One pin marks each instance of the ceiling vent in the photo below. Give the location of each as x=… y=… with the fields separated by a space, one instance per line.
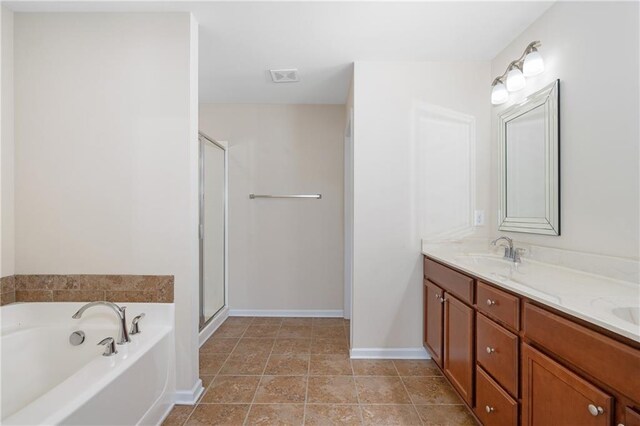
x=285 y=75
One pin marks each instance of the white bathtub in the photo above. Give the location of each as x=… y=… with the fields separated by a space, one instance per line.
x=47 y=381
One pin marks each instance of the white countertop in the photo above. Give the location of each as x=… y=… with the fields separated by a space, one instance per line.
x=610 y=303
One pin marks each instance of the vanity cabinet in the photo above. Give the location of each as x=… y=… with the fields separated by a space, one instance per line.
x=515 y=361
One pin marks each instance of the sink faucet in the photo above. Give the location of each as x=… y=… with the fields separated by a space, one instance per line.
x=123 y=334
x=511 y=253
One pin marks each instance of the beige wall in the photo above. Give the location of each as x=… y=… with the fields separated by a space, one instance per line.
x=283 y=254
x=7 y=261
x=599 y=134
x=106 y=153
x=387 y=276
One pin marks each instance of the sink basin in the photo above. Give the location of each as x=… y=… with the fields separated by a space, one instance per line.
x=487 y=261
x=628 y=313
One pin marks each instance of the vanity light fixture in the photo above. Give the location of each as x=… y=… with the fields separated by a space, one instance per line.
x=530 y=63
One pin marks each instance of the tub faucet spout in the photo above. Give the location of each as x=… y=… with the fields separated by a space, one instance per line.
x=123 y=334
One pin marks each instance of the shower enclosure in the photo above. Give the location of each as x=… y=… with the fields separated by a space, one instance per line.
x=213 y=199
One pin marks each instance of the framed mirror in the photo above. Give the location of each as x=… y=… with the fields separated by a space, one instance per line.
x=530 y=164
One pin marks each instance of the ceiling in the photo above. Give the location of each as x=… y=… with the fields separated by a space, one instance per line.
x=240 y=41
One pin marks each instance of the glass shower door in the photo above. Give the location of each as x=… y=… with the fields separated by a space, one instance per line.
x=212 y=228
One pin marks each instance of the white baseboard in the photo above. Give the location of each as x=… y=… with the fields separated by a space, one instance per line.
x=338 y=313
x=389 y=353
x=213 y=325
x=189 y=397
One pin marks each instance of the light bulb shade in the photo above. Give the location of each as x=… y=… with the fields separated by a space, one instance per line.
x=499 y=94
x=533 y=64
x=515 y=80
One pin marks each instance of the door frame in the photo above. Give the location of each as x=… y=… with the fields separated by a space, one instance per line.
x=207 y=327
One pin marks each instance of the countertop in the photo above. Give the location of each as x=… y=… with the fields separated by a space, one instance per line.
x=610 y=303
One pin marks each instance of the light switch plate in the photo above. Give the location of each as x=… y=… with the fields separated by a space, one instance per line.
x=478 y=217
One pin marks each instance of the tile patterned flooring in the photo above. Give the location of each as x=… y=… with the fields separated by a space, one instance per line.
x=295 y=371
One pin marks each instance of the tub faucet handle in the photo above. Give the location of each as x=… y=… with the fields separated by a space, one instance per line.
x=135 y=327
x=109 y=346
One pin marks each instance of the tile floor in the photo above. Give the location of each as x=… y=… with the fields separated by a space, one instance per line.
x=294 y=371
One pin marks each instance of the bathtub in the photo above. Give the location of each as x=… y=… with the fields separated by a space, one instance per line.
x=47 y=381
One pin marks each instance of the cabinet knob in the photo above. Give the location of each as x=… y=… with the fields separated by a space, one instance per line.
x=491 y=302
x=489 y=409
x=490 y=350
x=595 y=411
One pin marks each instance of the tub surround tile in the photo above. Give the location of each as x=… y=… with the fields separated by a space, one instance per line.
x=89 y=288
x=34 y=295
x=8 y=297
x=77 y=295
x=7 y=284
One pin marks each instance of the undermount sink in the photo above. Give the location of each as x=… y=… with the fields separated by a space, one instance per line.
x=628 y=313
x=487 y=261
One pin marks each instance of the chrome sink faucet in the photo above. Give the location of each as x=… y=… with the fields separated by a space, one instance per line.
x=123 y=334
x=510 y=253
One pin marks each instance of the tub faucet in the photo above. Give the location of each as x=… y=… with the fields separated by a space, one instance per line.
x=123 y=334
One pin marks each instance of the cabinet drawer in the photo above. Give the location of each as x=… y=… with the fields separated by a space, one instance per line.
x=605 y=359
x=450 y=280
x=497 y=353
x=499 y=305
x=493 y=405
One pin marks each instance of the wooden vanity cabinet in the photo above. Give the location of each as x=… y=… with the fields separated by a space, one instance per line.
x=515 y=361
x=433 y=320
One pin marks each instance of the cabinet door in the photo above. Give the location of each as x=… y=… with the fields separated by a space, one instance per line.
x=553 y=395
x=433 y=316
x=631 y=417
x=459 y=346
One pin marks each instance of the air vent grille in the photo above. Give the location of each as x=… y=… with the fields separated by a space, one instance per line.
x=285 y=75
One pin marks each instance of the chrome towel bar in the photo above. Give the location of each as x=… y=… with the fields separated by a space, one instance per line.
x=316 y=196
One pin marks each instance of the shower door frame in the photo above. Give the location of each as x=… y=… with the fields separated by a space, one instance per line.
x=202 y=139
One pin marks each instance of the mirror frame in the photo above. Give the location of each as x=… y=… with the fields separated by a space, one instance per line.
x=548 y=97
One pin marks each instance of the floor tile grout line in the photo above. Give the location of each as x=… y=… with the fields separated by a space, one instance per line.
x=306 y=393
x=415 y=410
x=355 y=384
x=246 y=417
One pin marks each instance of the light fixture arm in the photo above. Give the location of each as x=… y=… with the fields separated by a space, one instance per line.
x=532 y=47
